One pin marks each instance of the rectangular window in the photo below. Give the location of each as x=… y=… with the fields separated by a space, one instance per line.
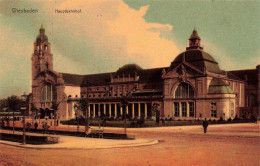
x=191 y=109
x=184 y=109
x=213 y=110
x=231 y=109
x=176 y=110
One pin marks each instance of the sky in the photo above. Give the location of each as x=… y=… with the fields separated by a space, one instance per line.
x=108 y=34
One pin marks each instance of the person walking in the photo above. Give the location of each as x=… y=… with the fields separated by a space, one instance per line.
x=35 y=125
x=205 y=125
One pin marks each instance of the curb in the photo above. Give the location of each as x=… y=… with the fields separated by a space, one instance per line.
x=16 y=144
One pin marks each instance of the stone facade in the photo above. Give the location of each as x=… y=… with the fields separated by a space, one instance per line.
x=192 y=87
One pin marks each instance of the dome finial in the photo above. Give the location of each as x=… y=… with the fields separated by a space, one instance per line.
x=42 y=30
x=42 y=37
x=194 y=35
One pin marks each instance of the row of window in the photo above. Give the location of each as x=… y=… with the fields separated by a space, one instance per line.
x=120 y=88
x=182 y=106
x=183 y=109
x=105 y=95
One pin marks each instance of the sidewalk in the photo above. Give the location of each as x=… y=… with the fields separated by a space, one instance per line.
x=72 y=142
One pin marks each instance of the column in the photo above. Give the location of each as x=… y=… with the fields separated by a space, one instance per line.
x=133 y=110
x=121 y=111
x=139 y=110
x=109 y=110
x=104 y=109
x=126 y=109
x=145 y=110
x=180 y=111
x=115 y=110
x=173 y=110
x=94 y=111
x=188 y=109
x=99 y=114
x=67 y=111
x=89 y=110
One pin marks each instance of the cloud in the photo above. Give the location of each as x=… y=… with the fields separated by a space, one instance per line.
x=104 y=37
x=144 y=42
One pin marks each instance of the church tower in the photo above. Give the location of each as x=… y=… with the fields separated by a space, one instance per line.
x=42 y=59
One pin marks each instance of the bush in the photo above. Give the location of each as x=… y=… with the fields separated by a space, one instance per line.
x=220 y=119
x=236 y=118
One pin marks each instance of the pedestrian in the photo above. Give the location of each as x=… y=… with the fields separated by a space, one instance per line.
x=2 y=123
x=205 y=125
x=7 y=121
x=35 y=125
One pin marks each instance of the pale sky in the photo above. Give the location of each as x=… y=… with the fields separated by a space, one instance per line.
x=108 y=34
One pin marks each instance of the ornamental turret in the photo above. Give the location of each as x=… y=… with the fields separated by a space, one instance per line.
x=194 y=41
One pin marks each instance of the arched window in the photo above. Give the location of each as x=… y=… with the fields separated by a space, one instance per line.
x=184 y=90
x=48 y=93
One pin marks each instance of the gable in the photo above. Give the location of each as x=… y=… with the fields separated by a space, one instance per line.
x=183 y=70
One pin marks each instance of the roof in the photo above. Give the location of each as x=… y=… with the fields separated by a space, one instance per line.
x=72 y=79
x=151 y=74
x=218 y=86
x=104 y=78
x=251 y=74
x=129 y=69
x=232 y=76
x=199 y=59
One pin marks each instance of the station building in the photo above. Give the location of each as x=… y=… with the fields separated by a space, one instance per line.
x=192 y=87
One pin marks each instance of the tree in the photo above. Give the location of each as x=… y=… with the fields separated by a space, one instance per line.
x=78 y=115
x=83 y=105
x=124 y=102
x=55 y=107
x=2 y=105
x=156 y=112
x=34 y=110
x=14 y=104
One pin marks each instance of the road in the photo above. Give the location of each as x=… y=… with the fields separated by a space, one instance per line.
x=222 y=145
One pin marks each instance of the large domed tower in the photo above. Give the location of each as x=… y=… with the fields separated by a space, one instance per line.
x=195 y=56
x=196 y=87
x=42 y=59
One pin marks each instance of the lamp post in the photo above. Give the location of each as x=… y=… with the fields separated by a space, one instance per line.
x=24 y=137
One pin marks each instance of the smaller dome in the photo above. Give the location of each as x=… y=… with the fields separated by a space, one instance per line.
x=129 y=69
x=218 y=86
x=41 y=38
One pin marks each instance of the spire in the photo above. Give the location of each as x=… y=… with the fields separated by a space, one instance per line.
x=194 y=41
x=194 y=35
x=41 y=38
x=42 y=30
